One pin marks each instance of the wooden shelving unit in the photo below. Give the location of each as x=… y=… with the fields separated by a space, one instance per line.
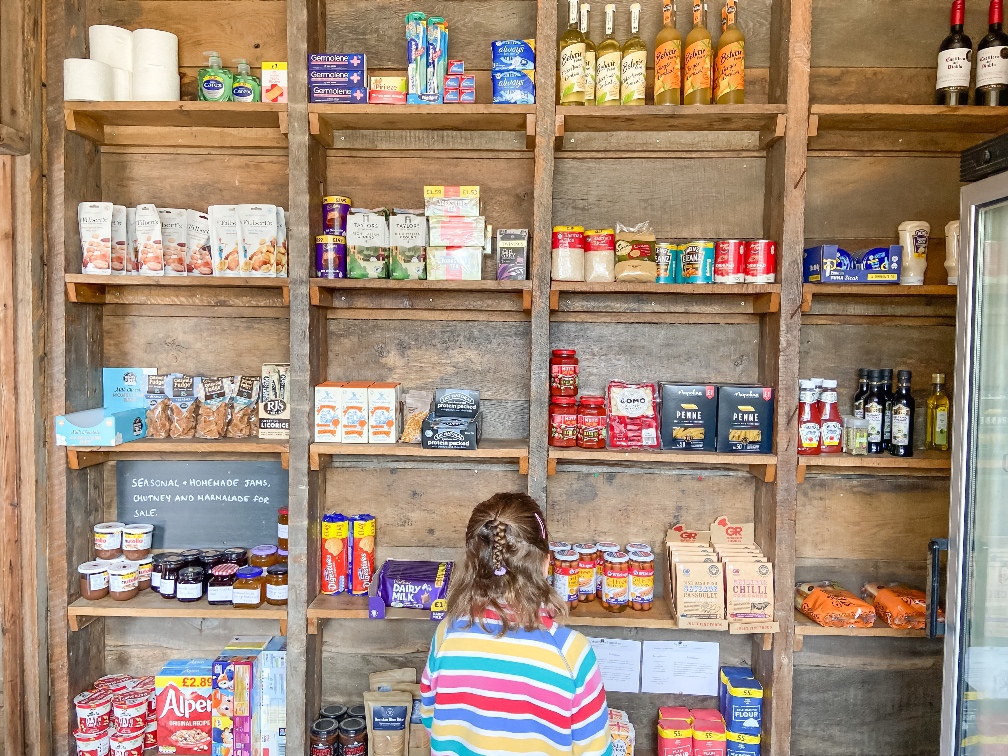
x=926 y=463
x=762 y=466
x=489 y=450
x=80 y=457
x=805 y=627
x=876 y=296
x=208 y=291
x=574 y=301
x=383 y=298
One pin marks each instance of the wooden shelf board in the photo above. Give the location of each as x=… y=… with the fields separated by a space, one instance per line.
x=668 y=298
x=882 y=291
x=94 y=289
x=763 y=466
x=150 y=604
x=180 y=123
x=923 y=462
x=489 y=449
x=382 y=298
x=805 y=626
x=79 y=457
x=390 y=285
x=573 y=119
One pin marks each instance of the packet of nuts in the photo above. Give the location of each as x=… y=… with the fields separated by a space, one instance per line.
x=119 y=253
x=149 y=252
x=158 y=407
x=257 y=226
x=199 y=260
x=244 y=421
x=281 y=242
x=95 y=221
x=182 y=390
x=213 y=406
x=132 y=265
x=173 y=240
x=225 y=240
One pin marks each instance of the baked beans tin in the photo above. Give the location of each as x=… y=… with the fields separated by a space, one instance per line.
x=729 y=261
x=667 y=257
x=696 y=262
x=92 y=743
x=761 y=261
x=94 y=711
x=334 y=215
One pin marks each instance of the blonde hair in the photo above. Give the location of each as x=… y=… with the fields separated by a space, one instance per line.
x=506 y=548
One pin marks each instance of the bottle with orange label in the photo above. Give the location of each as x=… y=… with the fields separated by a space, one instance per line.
x=668 y=60
x=729 y=82
x=697 y=60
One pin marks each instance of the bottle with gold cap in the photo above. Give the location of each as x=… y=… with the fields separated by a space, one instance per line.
x=589 y=57
x=633 y=68
x=729 y=81
x=572 y=49
x=697 y=59
x=937 y=429
x=608 y=57
x=668 y=59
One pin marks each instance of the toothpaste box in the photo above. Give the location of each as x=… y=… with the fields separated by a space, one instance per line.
x=513 y=54
x=324 y=93
x=467 y=96
x=337 y=78
x=338 y=61
x=274 y=81
x=329 y=412
x=456 y=67
x=513 y=87
x=467 y=82
x=355 y=412
x=452 y=81
x=384 y=413
x=183 y=698
x=452 y=97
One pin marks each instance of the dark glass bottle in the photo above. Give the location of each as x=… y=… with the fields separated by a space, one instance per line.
x=903 y=417
x=887 y=394
x=874 y=409
x=954 y=61
x=992 y=61
x=861 y=393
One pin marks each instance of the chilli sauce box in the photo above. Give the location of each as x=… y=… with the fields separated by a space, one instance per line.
x=745 y=419
x=355 y=412
x=688 y=417
x=184 y=689
x=335 y=554
x=384 y=412
x=329 y=412
x=749 y=591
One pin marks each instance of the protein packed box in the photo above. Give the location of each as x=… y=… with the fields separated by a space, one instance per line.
x=184 y=712
x=745 y=419
x=688 y=417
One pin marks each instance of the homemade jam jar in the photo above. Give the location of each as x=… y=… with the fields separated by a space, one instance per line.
x=276 y=585
x=587 y=556
x=603 y=547
x=282 y=528
x=641 y=580
x=249 y=589
x=220 y=585
x=356 y=712
x=281 y=556
x=124 y=580
x=108 y=540
x=169 y=574
x=94 y=580
x=236 y=556
x=156 y=562
x=191 y=557
x=145 y=568
x=564 y=373
x=591 y=423
x=352 y=735
x=263 y=556
x=136 y=541
x=563 y=421
x=616 y=581
x=210 y=558
x=189 y=586
x=94 y=710
x=565 y=575
x=323 y=737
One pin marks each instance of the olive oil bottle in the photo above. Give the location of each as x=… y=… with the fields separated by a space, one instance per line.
x=608 y=56
x=668 y=59
x=589 y=57
x=937 y=428
x=697 y=59
x=572 y=51
x=729 y=84
x=633 y=68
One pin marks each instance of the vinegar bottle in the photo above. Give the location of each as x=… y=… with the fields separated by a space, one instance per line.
x=572 y=50
x=608 y=57
x=633 y=67
x=808 y=419
x=902 y=417
x=874 y=409
x=668 y=60
x=697 y=60
x=729 y=87
x=830 y=422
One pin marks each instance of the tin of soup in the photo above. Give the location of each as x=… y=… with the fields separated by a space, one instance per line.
x=761 y=261
x=696 y=262
x=330 y=256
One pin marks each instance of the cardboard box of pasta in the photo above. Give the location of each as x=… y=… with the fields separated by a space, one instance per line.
x=688 y=417
x=745 y=419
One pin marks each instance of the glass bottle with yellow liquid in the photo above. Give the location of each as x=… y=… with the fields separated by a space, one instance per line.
x=937 y=429
x=729 y=81
x=697 y=60
x=572 y=50
x=668 y=60
x=633 y=68
x=608 y=57
x=589 y=57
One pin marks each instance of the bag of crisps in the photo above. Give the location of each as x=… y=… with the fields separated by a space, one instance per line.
x=830 y=605
x=897 y=605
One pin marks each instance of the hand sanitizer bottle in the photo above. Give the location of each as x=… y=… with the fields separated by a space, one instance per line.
x=215 y=80
x=246 y=87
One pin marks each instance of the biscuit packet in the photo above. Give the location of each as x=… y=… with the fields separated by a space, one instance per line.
x=257 y=226
x=173 y=240
x=158 y=407
x=281 y=242
x=383 y=682
x=828 y=604
x=244 y=410
x=417 y=407
x=119 y=254
x=182 y=390
x=388 y=719
x=199 y=258
x=635 y=253
x=132 y=265
x=147 y=243
x=225 y=240
x=95 y=222
x=899 y=606
x=213 y=406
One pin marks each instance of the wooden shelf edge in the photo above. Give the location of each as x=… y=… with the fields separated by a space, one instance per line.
x=93 y=289
x=813 y=290
x=805 y=627
x=761 y=466
x=489 y=450
x=89 y=611
x=79 y=457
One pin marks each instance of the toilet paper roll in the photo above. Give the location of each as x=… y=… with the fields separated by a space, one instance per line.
x=154 y=83
x=122 y=84
x=112 y=45
x=152 y=47
x=85 y=79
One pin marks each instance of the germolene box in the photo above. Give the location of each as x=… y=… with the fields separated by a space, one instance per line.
x=688 y=417
x=745 y=419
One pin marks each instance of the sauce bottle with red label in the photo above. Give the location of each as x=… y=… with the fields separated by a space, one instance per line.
x=830 y=423
x=808 y=419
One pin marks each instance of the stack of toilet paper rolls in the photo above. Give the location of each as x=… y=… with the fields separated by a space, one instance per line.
x=124 y=65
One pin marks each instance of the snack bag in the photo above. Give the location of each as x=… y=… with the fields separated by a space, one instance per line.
x=635 y=253
x=225 y=240
x=95 y=221
x=149 y=253
x=335 y=554
x=830 y=605
x=633 y=415
x=417 y=406
x=199 y=258
x=244 y=412
x=281 y=242
x=899 y=606
x=119 y=239
x=173 y=240
x=182 y=390
x=388 y=719
x=212 y=415
x=158 y=407
x=132 y=263
x=257 y=226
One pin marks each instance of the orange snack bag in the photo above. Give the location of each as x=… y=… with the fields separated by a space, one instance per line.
x=898 y=605
x=830 y=605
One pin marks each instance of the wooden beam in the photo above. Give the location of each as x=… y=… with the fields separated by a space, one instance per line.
x=85 y=125
x=13 y=142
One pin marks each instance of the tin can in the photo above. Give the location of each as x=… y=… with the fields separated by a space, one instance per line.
x=334 y=215
x=761 y=261
x=729 y=261
x=667 y=256
x=696 y=262
x=330 y=256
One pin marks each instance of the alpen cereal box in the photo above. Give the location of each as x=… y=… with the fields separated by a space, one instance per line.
x=183 y=689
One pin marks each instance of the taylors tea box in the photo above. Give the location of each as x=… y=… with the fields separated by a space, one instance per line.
x=745 y=419
x=688 y=417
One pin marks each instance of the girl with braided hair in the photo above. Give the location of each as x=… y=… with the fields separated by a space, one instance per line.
x=503 y=677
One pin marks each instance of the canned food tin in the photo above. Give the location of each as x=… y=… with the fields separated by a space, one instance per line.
x=330 y=256
x=696 y=262
x=761 y=261
x=334 y=215
x=667 y=256
x=729 y=261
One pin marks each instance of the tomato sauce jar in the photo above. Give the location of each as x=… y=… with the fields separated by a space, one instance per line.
x=564 y=373
x=563 y=421
x=591 y=423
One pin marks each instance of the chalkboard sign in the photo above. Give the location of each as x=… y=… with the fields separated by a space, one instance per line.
x=202 y=504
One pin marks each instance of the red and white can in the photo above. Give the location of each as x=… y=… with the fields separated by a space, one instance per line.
x=129 y=711
x=761 y=261
x=94 y=711
x=92 y=743
x=127 y=743
x=730 y=261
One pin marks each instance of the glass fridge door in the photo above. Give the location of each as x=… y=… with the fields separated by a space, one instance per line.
x=975 y=700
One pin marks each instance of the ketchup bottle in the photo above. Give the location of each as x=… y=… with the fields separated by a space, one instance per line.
x=830 y=423
x=808 y=420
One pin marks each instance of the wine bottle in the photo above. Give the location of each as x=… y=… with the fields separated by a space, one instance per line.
x=954 y=61
x=992 y=61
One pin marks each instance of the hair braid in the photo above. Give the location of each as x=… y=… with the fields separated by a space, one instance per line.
x=499 y=541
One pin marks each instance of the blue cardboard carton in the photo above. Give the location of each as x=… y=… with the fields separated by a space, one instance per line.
x=743 y=708
x=431 y=98
x=726 y=674
x=338 y=61
x=513 y=54
x=513 y=87
x=336 y=78
x=101 y=427
x=124 y=388
x=340 y=95
x=827 y=263
x=740 y=744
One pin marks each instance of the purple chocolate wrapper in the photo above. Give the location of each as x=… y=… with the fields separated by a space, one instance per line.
x=330 y=256
x=413 y=585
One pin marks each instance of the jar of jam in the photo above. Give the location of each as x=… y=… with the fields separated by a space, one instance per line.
x=603 y=547
x=156 y=562
x=249 y=589
x=282 y=528
x=587 y=555
x=641 y=580
x=191 y=557
x=564 y=373
x=353 y=736
x=563 y=421
x=137 y=540
x=337 y=712
x=565 y=575
x=169 y=574
x=616 y=581
x=276 y=585
x=281 y=556
x=124 y=581
x=108 y=540
x=144 y=568
x=591 y=423
x=323 y=737
x=263 y=556
x=189 y=586
x=210 y=558
x=220 y=584
x=94 y=580
x=236 y=556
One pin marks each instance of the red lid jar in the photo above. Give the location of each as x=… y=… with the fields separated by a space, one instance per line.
x=591 y=427
x=564 y=373
x=563 y=421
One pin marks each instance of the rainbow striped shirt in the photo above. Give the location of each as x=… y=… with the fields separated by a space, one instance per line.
x=536 y=692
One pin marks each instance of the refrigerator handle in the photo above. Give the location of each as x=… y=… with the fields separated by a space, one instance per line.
x=935 y=628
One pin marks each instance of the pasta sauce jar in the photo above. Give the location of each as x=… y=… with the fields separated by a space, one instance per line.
x=616 y=581
x=352 y=737
x=591 y=423
x=565 y=575
x=641 y=580
x=587 y=554
x=564 y=373
x=563 y=421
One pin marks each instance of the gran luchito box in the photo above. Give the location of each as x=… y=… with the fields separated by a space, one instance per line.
x=745 y=419
x=688 y=417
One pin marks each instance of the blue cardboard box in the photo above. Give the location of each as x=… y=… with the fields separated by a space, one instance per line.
x=338 y=95
x=513 y=54
x=101 y=427
x=743 y=707
x=338 y=61
x=827 y=263
x=336 y=78
x=425 y=99
x=726 y=674
x=124 y=388
x=513 y=87
x=740 y=744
